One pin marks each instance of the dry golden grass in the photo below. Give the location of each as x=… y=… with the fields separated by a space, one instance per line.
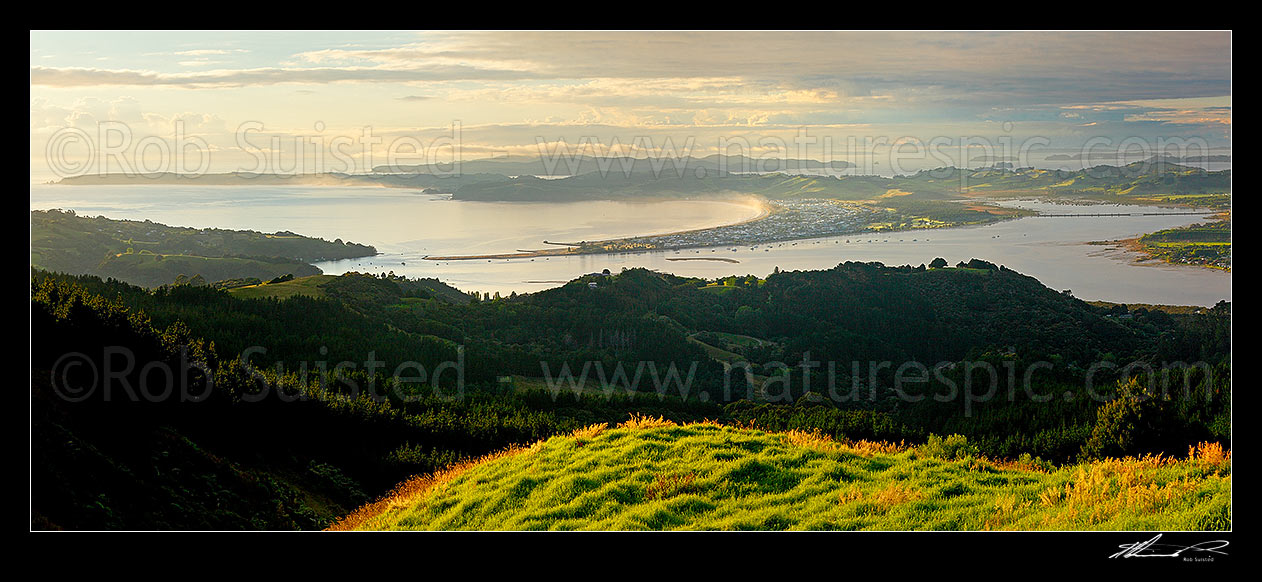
x=664 y=485
x=1209 y=454
x=819 y=441
x=708 y=422
x=1101 y=490
x=590 y=431
x=1050 y=496
x=812 y=440
x=1009 y=503
x=642 y=422
x=872 y=448
x=896 y=493
x=852 y=494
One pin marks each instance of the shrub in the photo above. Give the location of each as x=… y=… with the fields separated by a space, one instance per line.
x=955 y=446
x=1137 y=421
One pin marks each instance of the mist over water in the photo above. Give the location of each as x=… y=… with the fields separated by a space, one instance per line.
x=405 y=226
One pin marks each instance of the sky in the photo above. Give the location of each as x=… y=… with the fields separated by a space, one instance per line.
x=198 y=101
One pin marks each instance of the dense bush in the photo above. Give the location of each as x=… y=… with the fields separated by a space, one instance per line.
x=307 y=445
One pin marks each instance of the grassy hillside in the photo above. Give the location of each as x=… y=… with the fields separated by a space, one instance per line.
x=372 y=290
x=649 y=474
x=151 y=269
x=1199 y=244
x=1138 y=179
x=306 y=286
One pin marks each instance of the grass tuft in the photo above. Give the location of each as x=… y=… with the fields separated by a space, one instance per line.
x=638 y=421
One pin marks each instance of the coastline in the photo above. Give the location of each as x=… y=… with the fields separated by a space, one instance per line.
x=1140 y=255
x=767 y=208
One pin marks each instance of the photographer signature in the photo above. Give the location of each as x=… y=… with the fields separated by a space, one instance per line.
x=1152 y=549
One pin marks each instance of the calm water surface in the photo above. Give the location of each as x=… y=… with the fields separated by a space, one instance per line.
x=406 y=226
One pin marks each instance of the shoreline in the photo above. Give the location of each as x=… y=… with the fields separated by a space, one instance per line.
x=593 y=247
x=1140 y=255
x=765 y=209
x=768 y=209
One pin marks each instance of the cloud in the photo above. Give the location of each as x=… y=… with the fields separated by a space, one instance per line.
x=1026 y=67
x=88 y=77
x=208 y=52
x=1049 y=66
x=519 y=85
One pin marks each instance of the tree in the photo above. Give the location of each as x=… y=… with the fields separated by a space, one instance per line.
x=1136 y=421
x=938 y=263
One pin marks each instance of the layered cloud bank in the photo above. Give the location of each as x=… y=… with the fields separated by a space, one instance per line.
x=840 y=95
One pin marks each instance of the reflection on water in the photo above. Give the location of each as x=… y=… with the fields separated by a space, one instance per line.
x=406 y=226
x=1048 y=248
x=392 y=219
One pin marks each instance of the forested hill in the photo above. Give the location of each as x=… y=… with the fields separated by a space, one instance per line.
x=355 y=432
x=151 y=254
x=853 y=312
x=868 y=311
